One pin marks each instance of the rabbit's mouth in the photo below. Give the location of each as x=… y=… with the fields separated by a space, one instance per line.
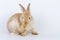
x=26 y=22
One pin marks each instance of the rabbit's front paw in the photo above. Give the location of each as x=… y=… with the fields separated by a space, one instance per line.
x=23 y=34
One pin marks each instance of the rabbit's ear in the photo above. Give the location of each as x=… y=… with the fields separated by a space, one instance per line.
x=28 y=7
x=23 y=9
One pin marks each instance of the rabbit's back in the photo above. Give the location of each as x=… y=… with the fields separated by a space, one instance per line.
x=14 y=23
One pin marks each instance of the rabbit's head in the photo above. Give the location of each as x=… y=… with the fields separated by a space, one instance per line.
x=26 y=13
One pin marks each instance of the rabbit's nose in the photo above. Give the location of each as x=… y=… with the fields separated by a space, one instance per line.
x=25 y=22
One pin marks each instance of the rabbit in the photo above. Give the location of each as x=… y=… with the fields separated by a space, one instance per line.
x=21 y=23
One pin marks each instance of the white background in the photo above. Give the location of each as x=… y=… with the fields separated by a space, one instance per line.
x=45 y=12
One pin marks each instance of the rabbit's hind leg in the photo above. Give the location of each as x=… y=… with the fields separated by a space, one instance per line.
x=34 y=32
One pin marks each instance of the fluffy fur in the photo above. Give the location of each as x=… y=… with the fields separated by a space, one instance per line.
x=21 y=23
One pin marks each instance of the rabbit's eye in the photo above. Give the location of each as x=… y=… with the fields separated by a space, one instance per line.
x=29 y=17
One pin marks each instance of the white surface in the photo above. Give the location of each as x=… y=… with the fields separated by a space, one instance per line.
x=45 y=12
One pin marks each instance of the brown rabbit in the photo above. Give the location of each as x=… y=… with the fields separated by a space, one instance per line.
x=21 y=23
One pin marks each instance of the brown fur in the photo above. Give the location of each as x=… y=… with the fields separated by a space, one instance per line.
x=23 y=25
